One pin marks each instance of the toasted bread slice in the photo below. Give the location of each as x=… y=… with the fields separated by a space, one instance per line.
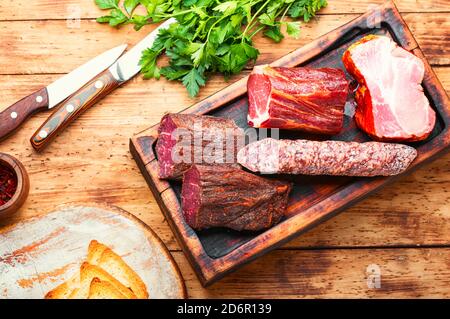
x=116 y=267
x=95 y=251
x=88 y=272
x=64 y=290
x=67 y=289
x=100 y=289
x=108 y=267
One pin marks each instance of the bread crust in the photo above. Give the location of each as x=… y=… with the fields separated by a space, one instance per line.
x=111 y=274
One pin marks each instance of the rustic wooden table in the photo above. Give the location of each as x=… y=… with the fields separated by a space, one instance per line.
x=404 y=230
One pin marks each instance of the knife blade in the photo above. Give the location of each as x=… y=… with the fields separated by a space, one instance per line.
x=127 y=65
x=125 y=68
x=51 y=95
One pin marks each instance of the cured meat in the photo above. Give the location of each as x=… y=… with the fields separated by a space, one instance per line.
x=185 y=139
x=390 y=98
x=306 y=99
x=326 y=158
x=224 y=196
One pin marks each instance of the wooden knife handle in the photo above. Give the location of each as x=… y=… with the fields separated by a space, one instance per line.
x=69 y=110
x=12 y=117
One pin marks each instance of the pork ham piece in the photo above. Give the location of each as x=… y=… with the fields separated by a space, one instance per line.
x=224 y=196
x=326 y=158
x=391 y=103
x=185 y=139
x=306 y=99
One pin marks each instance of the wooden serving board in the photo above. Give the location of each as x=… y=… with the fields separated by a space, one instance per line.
x=38 y=254
x=215 y=253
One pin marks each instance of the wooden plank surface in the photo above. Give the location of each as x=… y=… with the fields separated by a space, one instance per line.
x=39 y=47
x=90 y=161
x=84 y=9
x=342 y=273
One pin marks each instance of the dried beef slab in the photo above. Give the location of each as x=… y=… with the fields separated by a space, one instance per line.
x=224 y=196
x=216 y=252
x=177 y=148
x=305 y=99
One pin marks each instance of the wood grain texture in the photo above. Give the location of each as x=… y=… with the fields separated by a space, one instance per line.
x=334 y=273
x=97 y=166
x=56 y=54
x=84 y=9
x=83 y=99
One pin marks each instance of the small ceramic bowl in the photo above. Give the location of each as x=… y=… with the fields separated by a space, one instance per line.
x=23 y=186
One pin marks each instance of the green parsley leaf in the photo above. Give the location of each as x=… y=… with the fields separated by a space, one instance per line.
x=247 y=8
x=222 y=49
x=306 y=8
x=274 y=33
x=103 y=19
x=107 y=4
x=148 y=64
x=209 y=35
x=227 y=8
x=250 y=51
x=130 y=5
x=139 y=21
x=200 y=12
x=267 y=19
x=293 y=29
x=117 y=17
x=193 y=80
x=173 y=73
x=198 y=54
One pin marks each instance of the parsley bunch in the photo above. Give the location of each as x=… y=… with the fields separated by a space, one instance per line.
x=209 y=35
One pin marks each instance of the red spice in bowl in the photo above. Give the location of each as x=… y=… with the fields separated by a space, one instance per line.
x=14 y=185
x=8 y=184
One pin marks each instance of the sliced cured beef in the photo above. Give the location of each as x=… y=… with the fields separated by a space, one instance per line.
x=185 y=139
x=391 y=103
x=305 y=99
x=224 y=196
x=339 y=158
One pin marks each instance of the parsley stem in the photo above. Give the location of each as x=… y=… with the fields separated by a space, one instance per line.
x=253 y=18
x=257 y=31
x=173 y=14
x=199 y=30
x=212 y=26
x=285 y=11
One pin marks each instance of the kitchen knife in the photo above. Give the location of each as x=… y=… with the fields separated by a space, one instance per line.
x=54 y=93
x=120 y=72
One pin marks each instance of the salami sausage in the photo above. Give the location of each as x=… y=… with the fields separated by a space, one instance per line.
x=339 y=158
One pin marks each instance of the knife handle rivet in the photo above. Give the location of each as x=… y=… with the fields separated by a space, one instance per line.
x=43 y=134
x=70 y=108
x=13 y=115
x=99 y=84
x=39 y=99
